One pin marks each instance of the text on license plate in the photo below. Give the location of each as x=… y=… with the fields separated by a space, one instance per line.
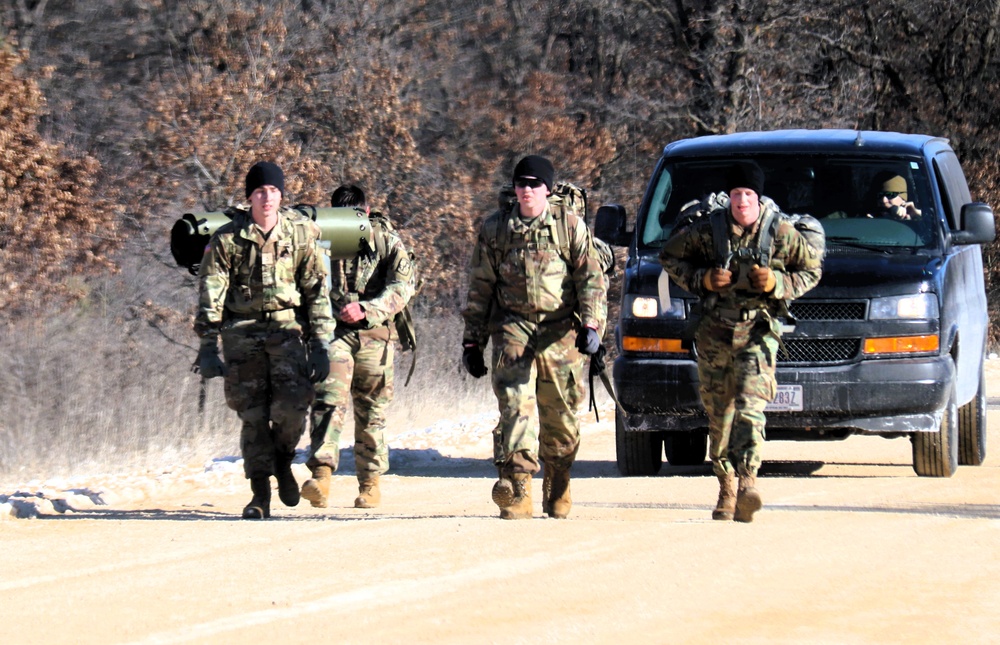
x=789 y=399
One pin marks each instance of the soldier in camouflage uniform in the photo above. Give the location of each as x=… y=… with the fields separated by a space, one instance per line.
x=738 y=337
x=260 y=283
x=543 y=307
x=366 y=294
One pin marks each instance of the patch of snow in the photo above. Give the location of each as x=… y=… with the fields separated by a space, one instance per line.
x=459 y=439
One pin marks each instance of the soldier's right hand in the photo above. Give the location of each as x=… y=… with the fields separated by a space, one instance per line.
x=319 y=364
x=210 y=365
x=472 y=359
x=717 y=279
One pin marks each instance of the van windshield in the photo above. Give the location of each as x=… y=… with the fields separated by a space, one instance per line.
x=861 y=202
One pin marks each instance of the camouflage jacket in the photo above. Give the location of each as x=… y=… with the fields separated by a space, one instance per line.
x=383 y=282
x=689 y=254
x=242 y=274
x=518 y=269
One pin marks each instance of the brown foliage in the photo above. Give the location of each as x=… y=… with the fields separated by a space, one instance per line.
x=212 y=114
x=57 y=223
x=428 y=103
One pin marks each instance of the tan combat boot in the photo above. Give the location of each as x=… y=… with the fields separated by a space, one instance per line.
x=512 y=493
x=260 y=506
x=370 y=495
x=556 y=500
x=726 y=507
x=748 y=500
x=317 y=489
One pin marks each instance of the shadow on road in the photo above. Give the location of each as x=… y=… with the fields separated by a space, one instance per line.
x=282 y=515
x=431 y=463
x=964 y=511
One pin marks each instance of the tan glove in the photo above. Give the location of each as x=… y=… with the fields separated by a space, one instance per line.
x=762 y=278
x=717 y=279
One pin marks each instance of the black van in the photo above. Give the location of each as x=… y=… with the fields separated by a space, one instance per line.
x=892 y=341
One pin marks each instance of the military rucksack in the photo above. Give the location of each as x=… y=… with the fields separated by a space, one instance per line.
x=381 y=228
x=716 y=204
x=565 y=198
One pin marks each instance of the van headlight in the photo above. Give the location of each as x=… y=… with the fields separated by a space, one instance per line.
x=921 y=305
x=649 y=307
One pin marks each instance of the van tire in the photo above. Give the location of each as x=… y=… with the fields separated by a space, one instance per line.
x=685 y=448
x=972 y=426
x=935 y=454
x=639 y=454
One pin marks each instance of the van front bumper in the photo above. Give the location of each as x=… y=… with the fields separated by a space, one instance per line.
x=888 y=396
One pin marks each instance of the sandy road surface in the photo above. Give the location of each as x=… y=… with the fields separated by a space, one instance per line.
x=852 y=547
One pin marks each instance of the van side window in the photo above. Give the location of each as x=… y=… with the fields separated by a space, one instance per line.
x=952 y=185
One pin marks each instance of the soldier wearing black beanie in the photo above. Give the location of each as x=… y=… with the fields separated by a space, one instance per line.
x=264 y=272
x=535 y=167
x=265 y=173
x=745 y=174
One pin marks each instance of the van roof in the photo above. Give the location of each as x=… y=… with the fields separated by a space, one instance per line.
x=832 y=141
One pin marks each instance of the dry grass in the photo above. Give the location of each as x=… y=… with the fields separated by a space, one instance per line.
x=84 y=394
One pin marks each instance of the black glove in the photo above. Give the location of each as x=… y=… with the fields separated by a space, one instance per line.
x=209 y=363
x=319 y=363
x=472 y=359
x=597 y=364
x=587 y=341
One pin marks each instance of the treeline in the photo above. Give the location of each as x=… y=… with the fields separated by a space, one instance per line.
x=119 y=115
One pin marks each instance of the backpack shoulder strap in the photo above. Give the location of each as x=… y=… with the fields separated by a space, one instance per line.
x=380 y=231
x=563 y=233
x=501 y=235
x=300 y=238
x=765 y=238
x=720 y=237
x=239 y=219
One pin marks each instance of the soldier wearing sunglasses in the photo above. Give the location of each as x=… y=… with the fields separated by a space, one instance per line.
x=892 y=198
x=541 y=310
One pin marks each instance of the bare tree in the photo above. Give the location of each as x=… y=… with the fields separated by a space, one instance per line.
x=429 y=102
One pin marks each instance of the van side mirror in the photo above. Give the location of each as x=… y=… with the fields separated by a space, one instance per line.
x=609 y=225
x=978 y=226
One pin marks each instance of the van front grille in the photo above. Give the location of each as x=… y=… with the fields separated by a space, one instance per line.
x=813 y=310
x=818 y=350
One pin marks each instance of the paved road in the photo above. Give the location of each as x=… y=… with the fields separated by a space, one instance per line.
x=852 y=547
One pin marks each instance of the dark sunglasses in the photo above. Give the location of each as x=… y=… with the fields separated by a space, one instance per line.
x=524 y=182
x=888 y=195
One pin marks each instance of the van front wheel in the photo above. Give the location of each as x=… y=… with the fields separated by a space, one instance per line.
x=935 y=454
x=685 y=448
x=972 y=425
x=639 y=453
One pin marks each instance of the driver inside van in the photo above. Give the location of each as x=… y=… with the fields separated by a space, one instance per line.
x=890 y=198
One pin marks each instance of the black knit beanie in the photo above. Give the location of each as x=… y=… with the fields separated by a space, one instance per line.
x=265 y=173
x=745 y=174
x=536 y=167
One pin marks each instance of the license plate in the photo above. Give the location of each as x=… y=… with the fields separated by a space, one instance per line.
x=789 y=399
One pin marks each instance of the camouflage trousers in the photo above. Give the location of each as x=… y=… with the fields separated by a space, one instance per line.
x=268 y=387
x=361 y=373
x=736 y=367
x=536 y=366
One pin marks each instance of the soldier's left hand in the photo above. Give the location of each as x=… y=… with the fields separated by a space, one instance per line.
x=209 y=365
x=762 y=278
x=319 y=365
x=587 y=341
x=352 y=312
